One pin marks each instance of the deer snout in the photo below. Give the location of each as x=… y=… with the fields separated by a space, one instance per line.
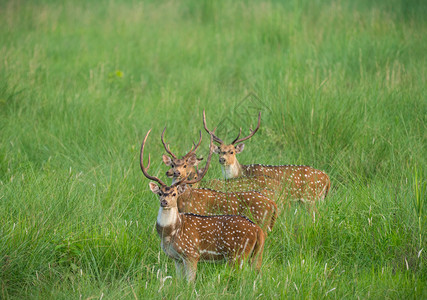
x=176 y=173
x=163 y=203
x=221 y=160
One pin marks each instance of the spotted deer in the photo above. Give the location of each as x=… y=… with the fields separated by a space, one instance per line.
x=296 y=182
x=184 y=167
x=188 y=238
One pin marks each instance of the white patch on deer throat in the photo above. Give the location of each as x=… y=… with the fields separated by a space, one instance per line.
x=230 y=171
x=167 y=217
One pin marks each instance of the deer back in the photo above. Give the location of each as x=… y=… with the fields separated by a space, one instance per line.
x=264 y=184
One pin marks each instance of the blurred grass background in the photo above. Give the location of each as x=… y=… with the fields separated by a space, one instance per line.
x=341 y=86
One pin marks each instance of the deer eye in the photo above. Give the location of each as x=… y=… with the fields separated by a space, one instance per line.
x=172 y=166
x=159 y=193
x=174 y=194
x=185 y=166
x=231 y=152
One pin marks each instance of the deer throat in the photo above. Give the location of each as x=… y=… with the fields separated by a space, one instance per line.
x=167 y=221
x=232 y=171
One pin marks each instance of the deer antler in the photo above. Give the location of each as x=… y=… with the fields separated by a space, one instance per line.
x=204 y=170
x=240 y=131
x=237 y=140
x=212 y=133
x=194 y=145
x=166 y=145
x=144 y=170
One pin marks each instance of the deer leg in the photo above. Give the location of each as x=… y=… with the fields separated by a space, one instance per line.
x=273 y=215
x=312 y=209
x=258 y=249
x=179 y=266
x=266 y=219
x=190 y=266
x=234 y=257
x=323 y=193
x=235 y=262
x=240 y=255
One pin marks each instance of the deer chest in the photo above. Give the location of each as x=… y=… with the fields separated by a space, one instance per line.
x=169 y=249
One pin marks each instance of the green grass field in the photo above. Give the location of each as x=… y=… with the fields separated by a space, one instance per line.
x=341 y=86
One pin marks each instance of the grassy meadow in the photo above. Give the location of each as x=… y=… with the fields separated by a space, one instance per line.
x=341 y=86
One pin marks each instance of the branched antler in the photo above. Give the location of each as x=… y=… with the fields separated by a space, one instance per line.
x=194 y=147
x=212 y=133
x=166 y=145
x=144 y=170
x=237 y=140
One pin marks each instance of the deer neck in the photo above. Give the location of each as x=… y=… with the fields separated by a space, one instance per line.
x=232 y=171
x=168 y=223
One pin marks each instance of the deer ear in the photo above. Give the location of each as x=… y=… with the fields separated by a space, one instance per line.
x=181 y=188
x=216 y=149
x=239 y=148
x=192 y=160
x=167 y=160
x=154 y=187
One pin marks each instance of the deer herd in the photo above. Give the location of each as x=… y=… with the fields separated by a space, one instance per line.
x=225 y=219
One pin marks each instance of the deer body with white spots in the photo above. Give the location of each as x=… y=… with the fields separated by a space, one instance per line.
x=302 y=183
x=252 y=204
x=190 y=238
x=294 y=182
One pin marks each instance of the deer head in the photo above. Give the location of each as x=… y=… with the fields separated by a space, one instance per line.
x=181 y=167
x=168 y=195
x=227 y=153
